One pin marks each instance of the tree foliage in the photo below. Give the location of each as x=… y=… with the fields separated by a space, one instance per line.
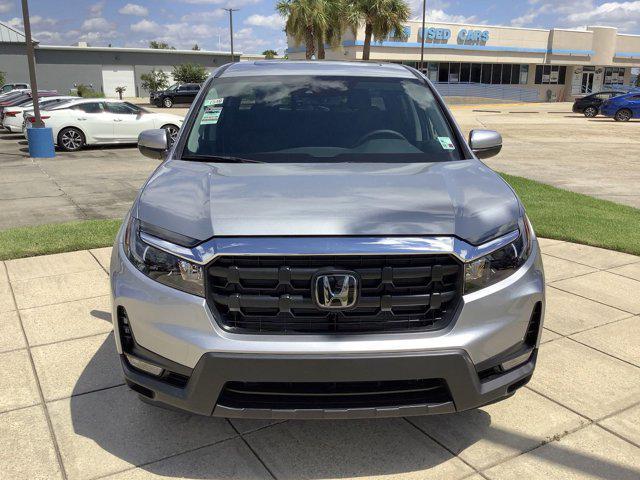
x=2 y=78
x=120 y=90
x=154 y=81
x=160 y=45
x=305 y=20
x=380 y=19
x=189 y=73
x=195 y=47
x=269 y=54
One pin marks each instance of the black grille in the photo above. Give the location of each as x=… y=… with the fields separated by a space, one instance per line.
x=272 y=294
x=331 y=395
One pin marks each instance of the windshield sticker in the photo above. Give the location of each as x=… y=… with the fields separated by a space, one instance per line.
x=211 y=115
x=446 y=143
x=213 y=101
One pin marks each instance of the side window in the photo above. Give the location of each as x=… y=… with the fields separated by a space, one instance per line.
x=120 y=108
x=93 y=107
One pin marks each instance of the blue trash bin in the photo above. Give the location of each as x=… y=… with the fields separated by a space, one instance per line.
x=40 y=142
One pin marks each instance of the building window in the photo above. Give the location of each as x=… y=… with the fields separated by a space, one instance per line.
x=614 y=76
x=433 y=71
x=443 y=73
x=524 y=74
x=496 y=73
x=454 y=73
x=486 y=73
x=476 y=72
x=550 y=75
x=465 y=72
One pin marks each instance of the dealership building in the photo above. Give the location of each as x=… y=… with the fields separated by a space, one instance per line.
x=62 y=68
x=504 y=62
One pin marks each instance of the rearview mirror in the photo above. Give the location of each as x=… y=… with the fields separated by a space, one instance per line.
x=485 y=143
x=153 y=143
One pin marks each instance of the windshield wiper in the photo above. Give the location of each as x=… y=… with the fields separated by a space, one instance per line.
x=218 y=158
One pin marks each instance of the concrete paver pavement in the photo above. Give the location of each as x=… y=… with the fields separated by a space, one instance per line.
x=66 y=412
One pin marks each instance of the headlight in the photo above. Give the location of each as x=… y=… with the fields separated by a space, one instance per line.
x=500 y=264
x=161 y=266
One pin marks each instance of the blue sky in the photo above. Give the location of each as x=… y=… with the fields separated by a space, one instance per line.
x=181 y=23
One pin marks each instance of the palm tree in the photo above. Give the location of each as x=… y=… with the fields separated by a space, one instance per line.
x=337 y=22
x=380 y=18
x=306 y=19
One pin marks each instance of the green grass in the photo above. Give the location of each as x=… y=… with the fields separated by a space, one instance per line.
x=578 y=218
x=58 y=237
x=555 y=213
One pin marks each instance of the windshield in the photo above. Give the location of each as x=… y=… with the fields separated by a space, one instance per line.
x=319 y=119
x=173 y=87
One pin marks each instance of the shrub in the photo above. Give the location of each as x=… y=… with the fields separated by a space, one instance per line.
x=154 y=81
x=189 y=73
x=2 y=78
x=85 y=91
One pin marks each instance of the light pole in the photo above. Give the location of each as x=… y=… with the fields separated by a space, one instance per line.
x=39 y=137
x=231 y=10
x=424 y=14
x=32 y=64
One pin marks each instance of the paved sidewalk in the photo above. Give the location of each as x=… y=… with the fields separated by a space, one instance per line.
x=65 y=413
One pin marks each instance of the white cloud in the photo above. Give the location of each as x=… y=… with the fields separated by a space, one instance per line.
x=274 y=21
x=134 y=9
x=525 y=19
x=608 y=13
x=95 y=10
x=98 y=24
x=444 y=17
x=146 y=26
x=6 y=6
x=14 y=22
x=204 y=16
x=223 y=3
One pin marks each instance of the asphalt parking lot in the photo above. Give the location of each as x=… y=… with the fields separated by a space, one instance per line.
x=65 y=413
x=544 y=142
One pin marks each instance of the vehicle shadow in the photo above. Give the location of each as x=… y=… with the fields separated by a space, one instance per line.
x=138 y=434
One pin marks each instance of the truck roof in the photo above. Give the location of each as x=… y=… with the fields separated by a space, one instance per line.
x=323 y=67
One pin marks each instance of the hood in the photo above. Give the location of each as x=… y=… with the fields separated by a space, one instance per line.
x=201 y=200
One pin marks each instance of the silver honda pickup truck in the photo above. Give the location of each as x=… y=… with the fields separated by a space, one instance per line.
x=322 y=242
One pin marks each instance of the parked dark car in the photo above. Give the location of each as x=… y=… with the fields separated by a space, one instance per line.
x=184 y=93
x=622 y=108
x=590 y=105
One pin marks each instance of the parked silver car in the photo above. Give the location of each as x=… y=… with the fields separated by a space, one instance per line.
x=322 y=242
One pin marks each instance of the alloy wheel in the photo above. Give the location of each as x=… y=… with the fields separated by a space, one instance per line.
x=172 y=132
x=167 y=103
x=590 y=112
x=71 y=140
x=623 y=115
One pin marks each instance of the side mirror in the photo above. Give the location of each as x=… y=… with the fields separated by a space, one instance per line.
x=153 y=143
x=485 y=143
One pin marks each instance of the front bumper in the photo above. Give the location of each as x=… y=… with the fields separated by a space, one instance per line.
x=214 y=370
x=182 y=330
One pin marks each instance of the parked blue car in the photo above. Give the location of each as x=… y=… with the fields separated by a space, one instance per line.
x=622 y=108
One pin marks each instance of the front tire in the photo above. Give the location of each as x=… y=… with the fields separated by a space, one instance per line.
x=623 y=115
x=590 y=112
x=172 y=132
x=71 y=139
x=167 y=103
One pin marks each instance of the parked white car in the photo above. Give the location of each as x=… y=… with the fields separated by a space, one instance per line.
x=103 y=121
x=13 y=117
